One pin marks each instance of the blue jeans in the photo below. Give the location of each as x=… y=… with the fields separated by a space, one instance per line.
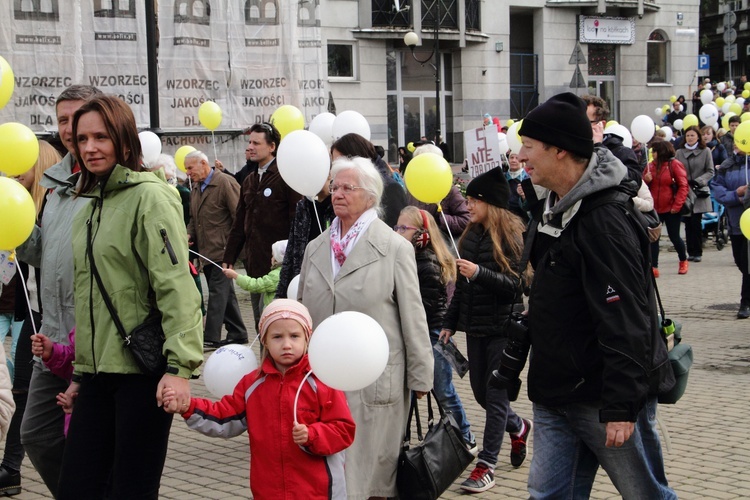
x=569 y=446
x=446 y=392
x=651 y=445
x=7 y=325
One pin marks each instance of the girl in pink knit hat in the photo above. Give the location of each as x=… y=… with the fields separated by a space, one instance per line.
x=290 y=455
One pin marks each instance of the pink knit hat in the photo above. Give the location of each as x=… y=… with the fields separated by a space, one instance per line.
x=285 y=309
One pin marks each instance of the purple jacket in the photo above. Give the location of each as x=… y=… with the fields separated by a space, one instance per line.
x=455 y=210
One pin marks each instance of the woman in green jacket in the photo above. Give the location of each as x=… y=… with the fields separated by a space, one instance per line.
x=133 y=232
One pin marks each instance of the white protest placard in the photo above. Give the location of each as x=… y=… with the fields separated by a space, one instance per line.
x=482 y=150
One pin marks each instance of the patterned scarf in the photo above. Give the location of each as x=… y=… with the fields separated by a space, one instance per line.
x=342 y=246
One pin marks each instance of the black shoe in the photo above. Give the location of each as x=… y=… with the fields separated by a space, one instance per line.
x=744 y=311
x=697 y=258
x=691 y=258
x=236 y=341
x=211 y=345
x=10 y=482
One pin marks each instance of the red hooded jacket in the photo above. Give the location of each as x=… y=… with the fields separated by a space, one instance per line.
x=665 y=199
x=263 y=404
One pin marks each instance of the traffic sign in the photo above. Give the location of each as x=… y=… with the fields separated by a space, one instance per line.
x=729 y=19
x=730 y=52
x=704 y=61
x=577 y=56
x=730 y=35
x=577 y=81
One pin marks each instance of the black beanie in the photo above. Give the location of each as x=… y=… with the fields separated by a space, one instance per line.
x=562 y=122
x=490 y=187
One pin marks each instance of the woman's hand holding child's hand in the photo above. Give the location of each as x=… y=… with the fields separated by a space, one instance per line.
x=169 y=401
x=300 y=434
x=68 y=398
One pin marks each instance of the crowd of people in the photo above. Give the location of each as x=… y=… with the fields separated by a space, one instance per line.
x=114 y=247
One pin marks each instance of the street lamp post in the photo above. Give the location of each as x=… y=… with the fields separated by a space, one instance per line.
x=411 y=39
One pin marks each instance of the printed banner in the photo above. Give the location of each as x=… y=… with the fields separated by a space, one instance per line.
x=277 y=57
x=41 y=42
x=193 y=62
x=114 y=53
x=482 y=150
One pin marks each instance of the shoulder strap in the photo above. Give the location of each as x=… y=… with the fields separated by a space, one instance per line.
x=100 y=284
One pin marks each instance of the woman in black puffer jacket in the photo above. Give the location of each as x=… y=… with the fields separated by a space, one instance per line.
x=490 y=251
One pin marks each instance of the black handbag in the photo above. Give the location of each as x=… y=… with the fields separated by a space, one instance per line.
x=687 y=207
x=428 y=468
x=146 y=341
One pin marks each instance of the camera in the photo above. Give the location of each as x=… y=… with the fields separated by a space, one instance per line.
x=507 y=375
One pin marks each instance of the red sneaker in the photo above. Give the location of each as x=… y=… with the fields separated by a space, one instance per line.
x=683 y=267
x=655 y=270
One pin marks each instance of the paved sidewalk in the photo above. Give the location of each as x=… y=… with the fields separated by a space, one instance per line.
x=707 y=451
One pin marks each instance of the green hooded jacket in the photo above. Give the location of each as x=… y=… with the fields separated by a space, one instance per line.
x=139 y=245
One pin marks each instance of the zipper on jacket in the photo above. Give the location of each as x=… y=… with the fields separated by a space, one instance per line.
x=168 y=246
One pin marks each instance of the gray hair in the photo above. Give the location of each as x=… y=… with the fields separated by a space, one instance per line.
x=78 y=93
x=167 y=163
x=197 y=154
x=427 y=148
x=368 y=177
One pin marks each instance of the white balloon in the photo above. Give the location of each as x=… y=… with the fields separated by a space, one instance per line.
x=322 y=126
x=677 y=124
x=740 y=101
x=503 y=142
x=708 y=114
x=725 y=106
x=622 y=132
x=511 y=138
x=706 y=96
x=304 y=162
x=730 y=98
x=658 y=112
x=715 y=126
x=350 y=122
x=150 y=146
x=348 y=351
x=226 y=367
x=721 y=86
x=682 y=108
x=668 y=132
x=291 y=290
x=642 y=128
x=707 y=86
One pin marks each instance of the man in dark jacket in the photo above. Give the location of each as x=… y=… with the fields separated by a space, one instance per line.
x=597 y=354
x=265 y=211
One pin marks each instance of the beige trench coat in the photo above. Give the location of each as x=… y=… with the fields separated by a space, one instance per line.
x=379 y=278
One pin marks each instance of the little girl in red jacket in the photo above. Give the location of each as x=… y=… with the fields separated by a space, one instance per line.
x=291 y=456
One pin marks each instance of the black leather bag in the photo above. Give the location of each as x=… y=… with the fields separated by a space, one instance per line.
x=146 y=341
x=428 y=468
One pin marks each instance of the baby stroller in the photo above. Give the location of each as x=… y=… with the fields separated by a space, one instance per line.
x=715 y=223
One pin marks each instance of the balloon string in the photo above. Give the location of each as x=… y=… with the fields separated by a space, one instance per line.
x=254 y=340
x=296 y=397
x=746 y=180
x=206 y=258
x=450 y=233
x=213 y=140
x=317 y=216
x=28 y=300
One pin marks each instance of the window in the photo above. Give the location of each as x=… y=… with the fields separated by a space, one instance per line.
x=342 y=60
x=657 y=57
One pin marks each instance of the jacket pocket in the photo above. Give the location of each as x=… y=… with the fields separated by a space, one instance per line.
x=388 y=389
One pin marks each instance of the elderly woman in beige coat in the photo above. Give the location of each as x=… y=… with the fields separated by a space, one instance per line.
x=360 y=264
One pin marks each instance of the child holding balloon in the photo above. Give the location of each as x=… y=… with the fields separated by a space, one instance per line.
x=291 y=454
x=265 y=285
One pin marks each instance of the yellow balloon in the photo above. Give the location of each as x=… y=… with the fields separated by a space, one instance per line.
x=287 y=119
x=689 y=121
x=665 y=109
x=746 y=93
x=735 y=108
x=741 y=140
x=7 y=82
x=209 y=115
x=410 y=147
x=744 y=117
x=745 y=223
x=611 y=122
x=429 y=178
x=719 y=101
x=673 y=99
x=18 y=214
x=509 y=122
x=180 y=154
x=747 y=86
x=725 y=120
x=730 y=98
x=19 y=148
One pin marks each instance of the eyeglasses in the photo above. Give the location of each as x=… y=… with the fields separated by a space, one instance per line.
x=345 y=188
x=403 y=229
x=594 y=122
